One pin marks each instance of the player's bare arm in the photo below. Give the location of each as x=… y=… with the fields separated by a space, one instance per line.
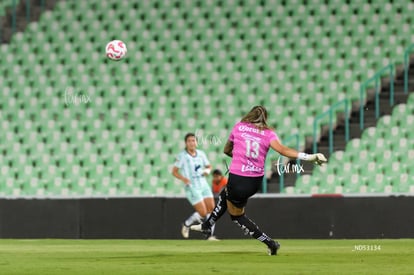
x=177 y=174
x=228 y=148
x=283 y=150
x=318 y=158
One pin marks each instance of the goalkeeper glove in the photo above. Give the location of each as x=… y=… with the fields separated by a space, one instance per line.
x=318 y=158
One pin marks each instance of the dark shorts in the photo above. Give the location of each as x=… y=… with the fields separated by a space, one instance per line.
x=240 y=189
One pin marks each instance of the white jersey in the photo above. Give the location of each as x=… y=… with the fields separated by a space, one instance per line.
x=192 y=167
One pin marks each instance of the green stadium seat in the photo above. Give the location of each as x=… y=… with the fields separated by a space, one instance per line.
x=354 y=184
x=304 y=185
x=330 y=185
x=377 y=184
x=183 y=61
x=402 y=183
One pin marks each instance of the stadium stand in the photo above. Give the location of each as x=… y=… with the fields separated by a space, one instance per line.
x=378 y=162
x=4 y=5
x=191 y=66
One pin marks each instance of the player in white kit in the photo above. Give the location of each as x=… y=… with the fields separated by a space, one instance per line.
x=191 y=167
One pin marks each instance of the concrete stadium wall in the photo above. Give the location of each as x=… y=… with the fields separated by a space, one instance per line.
x=161 y=218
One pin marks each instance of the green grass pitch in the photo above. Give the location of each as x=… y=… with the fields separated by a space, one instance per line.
x=246 y=256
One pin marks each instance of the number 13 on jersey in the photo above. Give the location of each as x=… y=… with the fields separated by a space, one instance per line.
x=252 y=148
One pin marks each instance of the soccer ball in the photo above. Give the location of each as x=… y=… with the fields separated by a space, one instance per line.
x=116 y=50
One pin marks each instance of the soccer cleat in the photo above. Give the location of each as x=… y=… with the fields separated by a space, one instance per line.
x=185 y=231
x=212 y=239
x=201 y=228
x=273 y=248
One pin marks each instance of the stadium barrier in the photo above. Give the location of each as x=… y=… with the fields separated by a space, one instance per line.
x=330 y=112
x=376 y=79
x=281 y=217
x=16 y=14
x=407 y=52
x=287 y=141
x=296 y=138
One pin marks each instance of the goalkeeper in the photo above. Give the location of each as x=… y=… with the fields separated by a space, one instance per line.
x=248 y=145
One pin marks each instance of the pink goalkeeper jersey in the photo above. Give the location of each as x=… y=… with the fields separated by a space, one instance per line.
x=250 y=147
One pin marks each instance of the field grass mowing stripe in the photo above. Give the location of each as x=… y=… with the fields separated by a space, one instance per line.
x=245 y=256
